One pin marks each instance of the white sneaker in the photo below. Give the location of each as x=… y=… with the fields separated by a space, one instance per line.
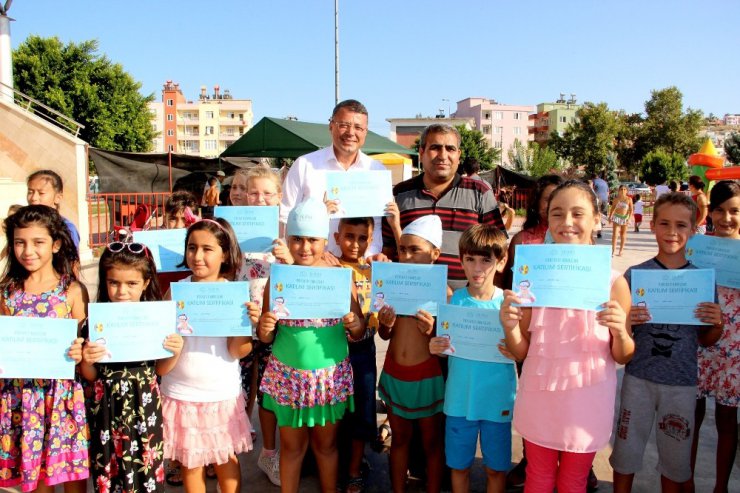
x=270 y=466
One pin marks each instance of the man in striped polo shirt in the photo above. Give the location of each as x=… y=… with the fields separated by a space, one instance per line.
x=459 y=201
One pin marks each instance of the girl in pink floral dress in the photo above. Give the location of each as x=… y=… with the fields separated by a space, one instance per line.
x=719 y=365
x=43 y=430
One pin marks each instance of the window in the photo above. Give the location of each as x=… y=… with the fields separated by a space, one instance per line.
x=517 y=130
x=487 y=115
x=517 y=115
x=486 y=129
x=170 y=148
x=209 y=114
x=498 y=130
x=241 y=116
x=231 y=115
x=498 y=144
x=562 y=119
x=498 y=115
x=209 y=130
x=170 y=118
x=170 y=102
x=210 y=145
x=170 y=133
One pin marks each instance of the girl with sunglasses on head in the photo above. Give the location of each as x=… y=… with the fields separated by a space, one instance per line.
x=43 y=428
x=126 y=446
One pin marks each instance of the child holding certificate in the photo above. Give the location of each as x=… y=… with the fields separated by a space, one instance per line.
x=308 y=380
x=660 y=381
x=479 y=395
x=203 y=406
x=719 y=365
x=260 y=186
x=411 y=383
x=564 y=408
x=43 y=428
x=126 y=417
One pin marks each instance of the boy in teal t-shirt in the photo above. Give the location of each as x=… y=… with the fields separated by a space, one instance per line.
x=479 y=395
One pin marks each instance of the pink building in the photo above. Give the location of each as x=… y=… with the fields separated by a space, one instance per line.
x=501 y=124
x=732 y=119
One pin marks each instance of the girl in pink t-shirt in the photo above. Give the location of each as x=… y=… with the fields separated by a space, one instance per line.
x=565 y=404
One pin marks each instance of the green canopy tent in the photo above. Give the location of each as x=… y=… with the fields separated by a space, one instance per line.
x=276 y=137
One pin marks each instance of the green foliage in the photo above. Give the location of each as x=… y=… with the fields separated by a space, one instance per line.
x=659 y=166
x=473 y=143
x=732 y=148
x=533 y=159
x=590 y=140
x=87 y=87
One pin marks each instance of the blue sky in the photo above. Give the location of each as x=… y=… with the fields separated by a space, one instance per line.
x=405 y=57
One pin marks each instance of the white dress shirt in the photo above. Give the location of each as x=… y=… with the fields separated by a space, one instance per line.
x=306 y=179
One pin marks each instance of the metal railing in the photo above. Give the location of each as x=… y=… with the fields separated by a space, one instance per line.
x=110 y=211
x=42 y=111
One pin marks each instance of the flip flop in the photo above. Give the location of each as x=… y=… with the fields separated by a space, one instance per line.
x=173 y=476
x=210 y=471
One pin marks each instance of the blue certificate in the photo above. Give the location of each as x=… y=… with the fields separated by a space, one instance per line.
x=132 y=331
x=720 y=254
x=255 y=227
x=310 y=292
x=37 y=347
x=672 y=295
x=167 y=247
x=563 y=276
x=359 y=193
x=211 y=309
x=408 y=288
x=474 y=333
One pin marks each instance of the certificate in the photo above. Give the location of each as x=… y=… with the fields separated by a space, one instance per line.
x=474 y=333
x=408 y=288
x=359 y=193
x=310 y=292
x=720 y=254
x=132 y=331
x=37 y=347
x=167 y=247
x=211 y=309
x=563 y=276
x=672 y=295
x=255 y=227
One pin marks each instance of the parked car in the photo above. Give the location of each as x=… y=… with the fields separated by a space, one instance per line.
x=634 y=187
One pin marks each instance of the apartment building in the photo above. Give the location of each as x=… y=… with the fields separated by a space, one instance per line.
x=405 y=131
x=553 y=117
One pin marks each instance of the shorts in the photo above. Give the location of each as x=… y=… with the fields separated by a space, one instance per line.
x=362 y=421
x=675 y=416
x=638 y=218
x=412 y=392
x=461 y=438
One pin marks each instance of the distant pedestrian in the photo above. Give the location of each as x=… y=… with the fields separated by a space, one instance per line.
x=696 y=188
x=601 y=188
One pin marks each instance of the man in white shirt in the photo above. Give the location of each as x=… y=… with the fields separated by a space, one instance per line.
x=661 y=189
x=348 y=128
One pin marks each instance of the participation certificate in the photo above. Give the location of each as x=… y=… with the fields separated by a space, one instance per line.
x=37 y=347
x=132 y=331
x=671 y=295
x=167 y=247
x=474 y=333
x=211 y=309
x=720 y=254
x=563 y=276
x=309 y=292
x=408 y=288
x=360 y=193
x=255 y=227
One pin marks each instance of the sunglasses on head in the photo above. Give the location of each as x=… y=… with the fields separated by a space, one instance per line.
x=135 y=248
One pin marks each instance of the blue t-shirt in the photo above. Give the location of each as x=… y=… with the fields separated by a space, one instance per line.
x=73 y=233
x=479 y=390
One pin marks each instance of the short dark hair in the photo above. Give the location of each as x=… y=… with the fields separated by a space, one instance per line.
x=723 y=191
x=533 y=208
x=50 y=176
x=471 y=165
x=357 y=221
x=178 y=201
x=350 y=105
x=437 y=128
x=483 y=239
x=676 y=198
x=696 y=182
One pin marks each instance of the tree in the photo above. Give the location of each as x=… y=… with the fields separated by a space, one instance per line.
x=732 y=148
x=589 y=140
x=533 y=159
x=474 y=144
x=660 y=166
x=87 y=87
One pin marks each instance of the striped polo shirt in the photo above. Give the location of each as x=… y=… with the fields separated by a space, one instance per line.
x=466 y=203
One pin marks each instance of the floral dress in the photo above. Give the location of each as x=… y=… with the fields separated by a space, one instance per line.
x=719 y=365
x=43 y=428
x=126 y=428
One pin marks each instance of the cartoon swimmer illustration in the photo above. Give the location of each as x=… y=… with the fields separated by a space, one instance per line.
x=524 y=292
x=183 y=327
x=379 y=301
x=279 y=308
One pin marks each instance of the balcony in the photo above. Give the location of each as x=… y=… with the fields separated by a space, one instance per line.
x=231 y=121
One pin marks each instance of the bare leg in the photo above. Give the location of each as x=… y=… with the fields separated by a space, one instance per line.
x=623 y=482
x=355 y=460
x=622 y=237
x=79 y=486
x=495 y=481
x=293 y=444
x=268 y=425
x=432 y=433
x=399 y=459
x=44 y=488
x=194 y=480
x=669 y=486
x=726 y=418
x=460 y=480
x=615 y=230
x=324 y=446
x=699 y=412
x=229 y=475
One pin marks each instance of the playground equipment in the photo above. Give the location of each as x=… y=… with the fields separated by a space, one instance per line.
x=709 y=165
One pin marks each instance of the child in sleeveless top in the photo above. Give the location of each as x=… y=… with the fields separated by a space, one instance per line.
x=564 y=407
x=43 y=427
x=308 y=380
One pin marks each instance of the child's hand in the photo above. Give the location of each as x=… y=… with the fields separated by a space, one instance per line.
x=425 y=322
x=709 y=313
x=438 y=345
x=378 y=257
x=254 y=311
x=332 y=206
x=387 y=316
x=268 y=321
x=75 y=350
x=281 y=252
x=613 y=318
x=352 y=322
x=510 y=315
x=393 y=215
x=330 y=259
x=173 y=343
x=505 y=352
x=92 y=352
x=639 y=314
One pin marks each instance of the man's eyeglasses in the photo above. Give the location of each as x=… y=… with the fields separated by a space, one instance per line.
x=344 y=126
x=135 y=248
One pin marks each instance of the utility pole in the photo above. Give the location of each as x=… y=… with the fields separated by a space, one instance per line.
x=336 y=52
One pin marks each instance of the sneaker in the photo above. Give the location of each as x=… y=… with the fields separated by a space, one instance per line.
x=271 y=467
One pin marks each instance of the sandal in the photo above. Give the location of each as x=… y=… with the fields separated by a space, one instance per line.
x=384 y=433
x=173 y=476
x=210 y=471
x=355 y=485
